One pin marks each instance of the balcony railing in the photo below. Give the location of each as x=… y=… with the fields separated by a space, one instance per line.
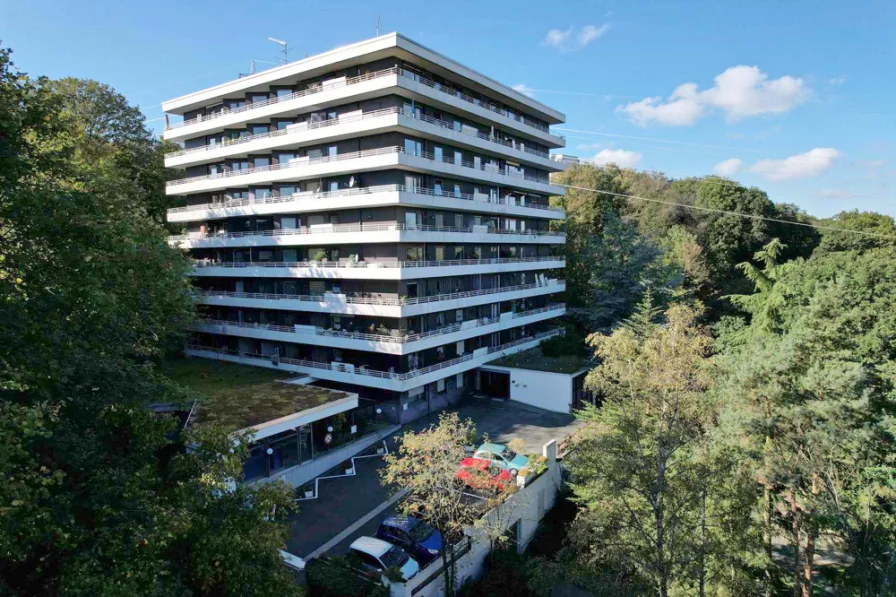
x=305 y=162
x=363 y=370
x=201 y=263
x=378 y=299
x=361 y=79
x=394 y=337
x=388 y=188
x=354 y=228
x=302 y=127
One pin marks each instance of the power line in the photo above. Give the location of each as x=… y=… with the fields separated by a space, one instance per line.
x=730 y=213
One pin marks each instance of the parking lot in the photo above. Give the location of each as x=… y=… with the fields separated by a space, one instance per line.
x=350 y=507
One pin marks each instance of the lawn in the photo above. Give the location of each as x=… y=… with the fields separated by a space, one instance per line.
x=211 y=378
x=535 y=360
x=239 y=397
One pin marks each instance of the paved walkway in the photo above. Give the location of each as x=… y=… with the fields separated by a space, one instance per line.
x=349 y=502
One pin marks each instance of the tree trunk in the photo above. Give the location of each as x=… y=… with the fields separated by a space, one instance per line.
x=810 y=544
x=795 y=541
x=702 y=580
x=447 y=565
x=658 y=517
x=769 y=506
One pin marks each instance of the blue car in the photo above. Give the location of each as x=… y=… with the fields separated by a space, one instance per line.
x=417 y=538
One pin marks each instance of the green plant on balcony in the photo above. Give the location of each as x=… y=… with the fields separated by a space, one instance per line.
x=319 y=257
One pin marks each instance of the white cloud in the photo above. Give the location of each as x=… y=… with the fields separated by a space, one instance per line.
x=728 y=167
x=837 y=194
x=570 y=39
x=621 y=157
x=740 y=91
x=811 y=163
x=524 y=89
x=589 y=33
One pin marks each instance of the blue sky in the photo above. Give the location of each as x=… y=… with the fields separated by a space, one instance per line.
x=794 y=97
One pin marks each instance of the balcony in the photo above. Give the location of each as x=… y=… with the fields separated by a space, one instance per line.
x=330 y=234
x=357 y=123
x=396 y=342
x=373 y=270
x=389 y=77
x=310 y=201
x=361 y=375
x=378 y=305
x=361 y=161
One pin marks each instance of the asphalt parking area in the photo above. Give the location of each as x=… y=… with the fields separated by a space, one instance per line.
x=321 y=525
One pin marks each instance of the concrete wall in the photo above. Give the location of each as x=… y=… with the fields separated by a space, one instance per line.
x=542 y=389
x=524 y=509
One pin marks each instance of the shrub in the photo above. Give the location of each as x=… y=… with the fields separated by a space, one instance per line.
x=336 y=577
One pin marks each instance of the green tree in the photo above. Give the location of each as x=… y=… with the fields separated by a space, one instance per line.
x=425 y=468
x=648 y=484
x=809 y=386
x=101 y=496
x=880 y=229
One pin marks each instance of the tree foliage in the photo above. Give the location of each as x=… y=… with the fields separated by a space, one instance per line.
x=101 y=496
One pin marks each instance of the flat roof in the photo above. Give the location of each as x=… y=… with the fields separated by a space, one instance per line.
x=242 y=398
x=351 y=54
x=257 y=406
x=534 y=360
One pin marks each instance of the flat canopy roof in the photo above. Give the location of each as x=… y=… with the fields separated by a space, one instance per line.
x=243 y=398
x=258 y=406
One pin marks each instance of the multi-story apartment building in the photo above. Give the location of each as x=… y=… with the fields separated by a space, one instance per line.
x=375 y=217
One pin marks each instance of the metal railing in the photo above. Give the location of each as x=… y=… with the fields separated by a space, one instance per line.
x=314 y=195
x=387 y=301
x=355 y=117
x=198 y=264
x=362 y=370
x=394 y=337
x=285 y=98
x=338 y=84
x=304 y=162
x=355 y=228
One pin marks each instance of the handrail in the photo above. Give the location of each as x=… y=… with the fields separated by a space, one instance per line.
x=393 y=338
x=338 y=84
x=285 y=98
x=305 y=161
x=355 y=192
x=198 y=264
x=342 y=228
x=308 y=125
x=374 y=300
x=362 y=370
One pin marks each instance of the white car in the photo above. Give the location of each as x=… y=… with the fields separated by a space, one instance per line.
x=376 y=554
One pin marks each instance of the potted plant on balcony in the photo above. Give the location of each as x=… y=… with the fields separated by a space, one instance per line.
x=319 y=257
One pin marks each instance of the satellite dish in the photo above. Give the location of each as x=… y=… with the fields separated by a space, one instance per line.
x=351 y=182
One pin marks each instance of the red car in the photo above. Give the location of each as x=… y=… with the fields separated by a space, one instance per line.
x=482 y=474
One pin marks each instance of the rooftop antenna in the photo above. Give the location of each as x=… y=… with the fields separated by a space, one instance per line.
x=285 y=49
x=251 y=70
x=377 y=25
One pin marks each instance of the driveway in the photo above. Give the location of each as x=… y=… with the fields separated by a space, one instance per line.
x=350 y=507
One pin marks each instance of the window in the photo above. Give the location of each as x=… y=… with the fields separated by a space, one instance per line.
x=255 y=466
x=414 y=253
x=285 y=156
x=284 y=450
x=413 y=147
x=282 y=124
x=287 y=190
x=333 y=185
x=237 y=195
x=263 y=194
x=283 y=92
x=265 y=255
x=257 y=97
x=261 y=161
x=239 y=165
x=258 y=129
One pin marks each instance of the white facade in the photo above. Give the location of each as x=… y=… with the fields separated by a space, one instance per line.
x=376 y=217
